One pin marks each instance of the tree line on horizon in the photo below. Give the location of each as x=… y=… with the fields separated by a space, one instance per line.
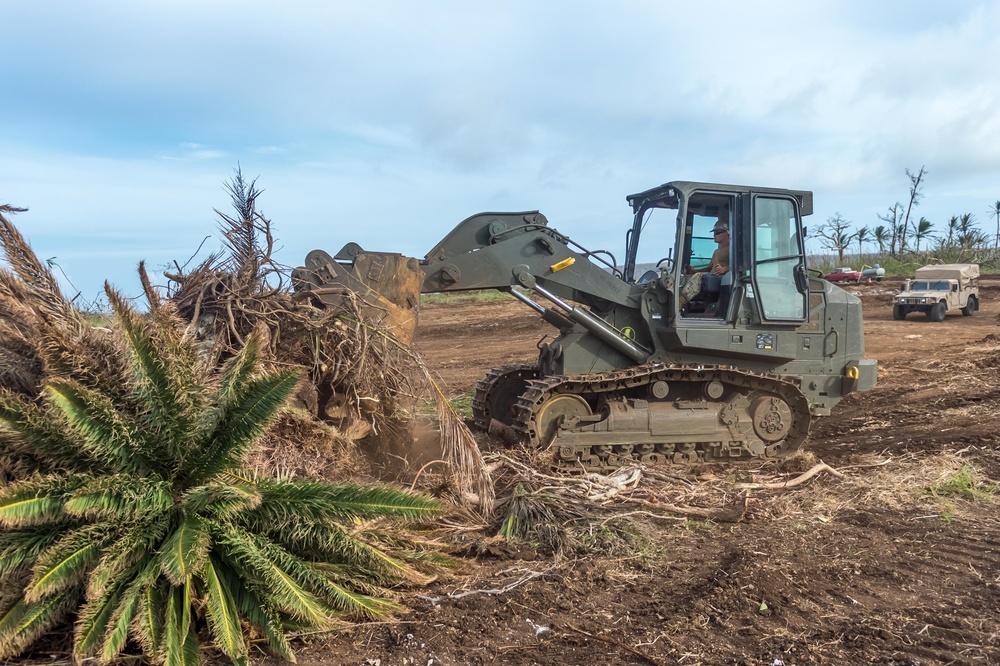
x=901 y=234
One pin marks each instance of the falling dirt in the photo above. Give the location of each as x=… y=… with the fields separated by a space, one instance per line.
x=886 y=565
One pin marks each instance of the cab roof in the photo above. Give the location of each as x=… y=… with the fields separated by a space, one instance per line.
x=669 y=191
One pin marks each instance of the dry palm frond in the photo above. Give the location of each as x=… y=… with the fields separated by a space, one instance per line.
x=50 y=301
x=361 y=377
x=41 y=333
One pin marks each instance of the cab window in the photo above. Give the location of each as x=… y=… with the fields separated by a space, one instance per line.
x=778 y=258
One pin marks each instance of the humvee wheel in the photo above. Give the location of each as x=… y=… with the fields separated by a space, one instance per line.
x=969 y=308
x=898 y=313
x=937 y=312
x=557 y=409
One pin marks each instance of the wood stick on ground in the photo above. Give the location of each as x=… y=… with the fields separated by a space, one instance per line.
x=730 y=514
x=531 y=575
x=799 y=480
x=610 y=641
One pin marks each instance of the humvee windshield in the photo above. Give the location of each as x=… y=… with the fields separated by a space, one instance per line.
x=934 y=285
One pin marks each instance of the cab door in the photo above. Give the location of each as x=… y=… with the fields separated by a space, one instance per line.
x=777 y=258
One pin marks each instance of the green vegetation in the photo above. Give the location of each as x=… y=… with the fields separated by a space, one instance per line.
x=463 y=406
x=139 y=525
x=964 y=483
x=484 y=295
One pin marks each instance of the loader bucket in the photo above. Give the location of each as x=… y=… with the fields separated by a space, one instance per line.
x=386 y=286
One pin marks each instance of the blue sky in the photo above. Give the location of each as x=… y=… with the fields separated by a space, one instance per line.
x=388 y=122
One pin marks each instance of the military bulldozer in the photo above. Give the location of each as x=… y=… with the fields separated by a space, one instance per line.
x=637 y=371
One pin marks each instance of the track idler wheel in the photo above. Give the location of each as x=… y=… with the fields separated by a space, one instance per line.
x=555 y=411
x=771 y=417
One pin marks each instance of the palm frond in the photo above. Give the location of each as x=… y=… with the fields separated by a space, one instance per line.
x=93 y=621
x=185 y=551
x=36 y=501
x=25 y=622
x=343 y=502
x=240 y=368
x=37 y=433
x=180 y=642
x=242 y=423
x=148 y=626
x=221 y=501
x=332 y=543
x=251 y=556
x=223 y=616
x=121 y=497
x=122 y=619
x=106 y=434
x=19 y=548
x=253 y=603
x=23 y=260
x=153 y=376
x=134 y=547
x=66 y=562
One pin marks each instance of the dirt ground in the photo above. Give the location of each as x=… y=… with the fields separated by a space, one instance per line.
x=888 y=564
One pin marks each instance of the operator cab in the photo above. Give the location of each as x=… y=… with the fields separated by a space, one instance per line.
x=755 y=271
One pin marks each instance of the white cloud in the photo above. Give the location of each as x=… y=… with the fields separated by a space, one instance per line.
x=388 y=122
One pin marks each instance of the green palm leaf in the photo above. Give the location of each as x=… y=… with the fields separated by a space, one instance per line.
x=223 y=617
x=135 y=546
x=36 y=501
x=41 y=436
x=242 y=423
x=123 y=616
x=323 y=502
x=164 y=396
x=105 y=434
x=180 y=642
x=222 y=501
x=239 y=369
x=247 y=553
x=25 y=622
x=185 y=551
x=19 y=548
x=149 y=622
x=93 y=620
x=66 y=562
x=255 y=605
x=120 y=497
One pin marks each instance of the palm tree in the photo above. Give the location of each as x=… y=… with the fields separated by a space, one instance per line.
x=881 y=235
x=862 y=236
x=953 y=230
x=141 y=525
x=923 y=232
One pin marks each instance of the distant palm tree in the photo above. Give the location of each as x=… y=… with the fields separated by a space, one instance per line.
x=953 y=230
x=923 y=232
x=862 y=236
x=142 y=523
x=881 y=235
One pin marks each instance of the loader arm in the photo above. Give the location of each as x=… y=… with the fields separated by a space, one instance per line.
x=485 y=251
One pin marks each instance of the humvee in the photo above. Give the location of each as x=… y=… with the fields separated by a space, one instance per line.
x=936 y=290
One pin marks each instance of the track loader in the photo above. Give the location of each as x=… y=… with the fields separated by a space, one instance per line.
x=636 y=371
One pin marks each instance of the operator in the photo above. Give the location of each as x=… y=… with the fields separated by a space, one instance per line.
x=719 y=264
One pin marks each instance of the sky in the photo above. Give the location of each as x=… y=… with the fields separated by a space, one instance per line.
x=388 y=122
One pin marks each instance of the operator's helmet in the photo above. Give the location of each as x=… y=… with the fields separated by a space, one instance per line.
x=720 y=226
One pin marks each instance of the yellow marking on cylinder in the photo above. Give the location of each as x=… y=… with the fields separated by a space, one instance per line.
x=565 y=263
